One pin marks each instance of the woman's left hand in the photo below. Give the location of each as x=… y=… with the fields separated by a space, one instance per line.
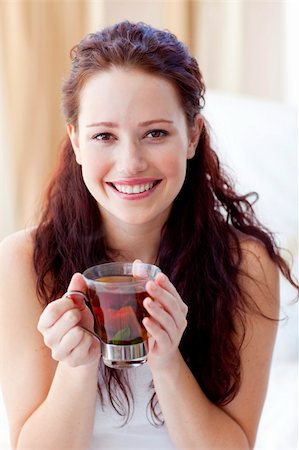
x=166 y=322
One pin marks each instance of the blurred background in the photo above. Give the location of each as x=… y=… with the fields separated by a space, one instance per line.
x=247 y=51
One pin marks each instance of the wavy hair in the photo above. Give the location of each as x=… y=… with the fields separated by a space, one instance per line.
x=197 y=239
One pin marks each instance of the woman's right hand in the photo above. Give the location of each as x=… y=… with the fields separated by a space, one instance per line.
x=61 y=325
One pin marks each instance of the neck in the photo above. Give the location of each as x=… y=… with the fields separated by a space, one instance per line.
x=131 y=242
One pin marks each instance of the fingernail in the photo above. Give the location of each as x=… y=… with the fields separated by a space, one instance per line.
x=148 y=300
x=162 y=277
x=78 y=301
x=153 y=286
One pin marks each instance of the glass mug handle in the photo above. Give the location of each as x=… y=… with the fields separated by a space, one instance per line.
x=69 y=294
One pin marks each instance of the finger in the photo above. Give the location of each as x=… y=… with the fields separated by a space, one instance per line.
x=139 y=269
x=53 y=312
x=161 y=317
x=77 y=290
x=86 y=351
x=83 y=304
x=79 y=299
x=54 y=334
x=165 y=298
x=77 y=283
x=168 y=302
x=157 y=333
x=163 y=281
x=57 y=308
x=68 y=342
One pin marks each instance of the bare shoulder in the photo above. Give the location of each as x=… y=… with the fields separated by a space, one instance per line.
x=16 y=263
x=254 y=251
x=16 y=246
x=260 y=276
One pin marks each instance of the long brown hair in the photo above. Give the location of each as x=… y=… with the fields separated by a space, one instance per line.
x=196 y=241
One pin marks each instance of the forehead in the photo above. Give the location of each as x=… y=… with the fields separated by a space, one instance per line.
x=128 y=92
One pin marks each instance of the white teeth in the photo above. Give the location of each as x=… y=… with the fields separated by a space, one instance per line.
x=135 y=189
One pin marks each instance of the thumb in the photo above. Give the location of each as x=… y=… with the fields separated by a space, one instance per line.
x=77 y=283
x=77 y=291
x=138 y=269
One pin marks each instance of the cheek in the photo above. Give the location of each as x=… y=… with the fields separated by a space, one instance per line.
x=173 y=166
x=92 y=175
x=93 y=169
x=89 y=172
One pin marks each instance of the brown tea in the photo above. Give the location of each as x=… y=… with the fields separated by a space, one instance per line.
x=119 y=310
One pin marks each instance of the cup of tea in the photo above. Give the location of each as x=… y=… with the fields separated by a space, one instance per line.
x=116 y=292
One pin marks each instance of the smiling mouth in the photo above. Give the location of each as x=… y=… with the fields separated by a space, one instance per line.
x=135 y=188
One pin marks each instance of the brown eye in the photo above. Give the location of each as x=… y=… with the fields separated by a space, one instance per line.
x=103 y=137
x=156 y=134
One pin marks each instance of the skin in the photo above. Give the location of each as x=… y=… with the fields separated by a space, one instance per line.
x=62 y=385
x=130 y=148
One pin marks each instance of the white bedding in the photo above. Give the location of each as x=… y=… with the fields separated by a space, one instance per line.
x=258 y=139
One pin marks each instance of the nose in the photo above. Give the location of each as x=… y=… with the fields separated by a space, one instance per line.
x=130 y=159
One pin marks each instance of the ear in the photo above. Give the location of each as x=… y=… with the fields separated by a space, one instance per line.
x=194 y=135
x=75 y=143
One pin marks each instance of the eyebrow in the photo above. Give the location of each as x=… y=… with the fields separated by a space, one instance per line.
x=141 y=124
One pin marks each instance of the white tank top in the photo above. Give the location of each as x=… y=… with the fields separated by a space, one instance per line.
x=138 y=433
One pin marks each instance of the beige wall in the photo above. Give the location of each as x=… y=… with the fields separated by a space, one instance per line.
x=242 y=46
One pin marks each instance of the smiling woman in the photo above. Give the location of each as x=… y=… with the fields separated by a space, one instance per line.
x=138 y=179
x=124 y=151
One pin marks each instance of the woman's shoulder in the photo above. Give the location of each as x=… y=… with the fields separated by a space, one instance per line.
x=252 y=249
x=17 y=246
x=255 y=254
x=259 y=274
x=16 y=260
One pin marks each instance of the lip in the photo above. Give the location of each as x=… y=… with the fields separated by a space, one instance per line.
x=132 y=182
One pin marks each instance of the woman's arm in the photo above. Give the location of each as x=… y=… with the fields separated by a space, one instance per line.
x=50 y=405
x=192 y=420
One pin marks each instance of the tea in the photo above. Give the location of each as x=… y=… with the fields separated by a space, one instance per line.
x=119 y=310
x=116 y=292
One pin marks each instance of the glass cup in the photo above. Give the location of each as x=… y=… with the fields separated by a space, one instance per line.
x=116 y=292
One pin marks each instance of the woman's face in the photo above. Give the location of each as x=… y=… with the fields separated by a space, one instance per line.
x=132 y=141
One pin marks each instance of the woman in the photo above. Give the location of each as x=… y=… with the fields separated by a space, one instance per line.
x=138 y=179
